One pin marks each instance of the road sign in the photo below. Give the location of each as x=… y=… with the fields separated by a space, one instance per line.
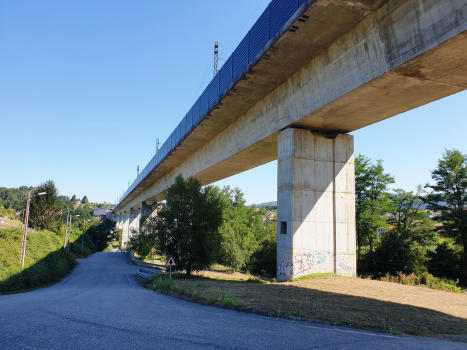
x=153 y=253
x=170 y=262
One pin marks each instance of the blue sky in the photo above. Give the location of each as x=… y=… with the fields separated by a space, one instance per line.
x=86 y=88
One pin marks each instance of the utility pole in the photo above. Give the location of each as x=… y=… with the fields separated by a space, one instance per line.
x=69 y=237
x=82 y=237
x=137 y=171
x=25 y=233
x=66 y=230
x=157 y=145
x=216 y=57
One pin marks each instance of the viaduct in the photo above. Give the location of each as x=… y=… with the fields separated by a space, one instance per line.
x=306 y=74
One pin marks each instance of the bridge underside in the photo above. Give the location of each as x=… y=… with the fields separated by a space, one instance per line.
x=350 y=64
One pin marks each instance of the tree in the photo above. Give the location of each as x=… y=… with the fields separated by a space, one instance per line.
x=238 y=240
x=408 y=217
x=73 y=199
x=85 y=200
x=371 y=198
x=450 y=196
x=44 y=211
x=188 y=227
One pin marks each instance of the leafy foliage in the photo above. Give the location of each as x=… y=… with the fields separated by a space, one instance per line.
x=372 y=201
x=44 y=211
x=450 y=196
x=188 y=227
x=237 y=237
x=264 y=260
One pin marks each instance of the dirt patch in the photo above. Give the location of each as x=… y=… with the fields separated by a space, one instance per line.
x=358 y=302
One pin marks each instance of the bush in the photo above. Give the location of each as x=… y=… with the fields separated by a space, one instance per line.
x=426 y=279
x=264 y=260
x=395 y=254
x=444 y=262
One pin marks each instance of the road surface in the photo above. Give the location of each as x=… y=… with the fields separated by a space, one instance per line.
x=101 y=305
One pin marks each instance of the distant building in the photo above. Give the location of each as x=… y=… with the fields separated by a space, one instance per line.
x=104 y=213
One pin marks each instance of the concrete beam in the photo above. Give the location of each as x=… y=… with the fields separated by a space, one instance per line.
x=316 y=205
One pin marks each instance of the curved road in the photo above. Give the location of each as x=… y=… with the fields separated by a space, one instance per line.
x=102 y=305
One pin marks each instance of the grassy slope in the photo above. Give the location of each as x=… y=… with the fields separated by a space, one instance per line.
x=45 y=263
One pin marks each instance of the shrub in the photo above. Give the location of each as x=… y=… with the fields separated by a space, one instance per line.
x=264 y=260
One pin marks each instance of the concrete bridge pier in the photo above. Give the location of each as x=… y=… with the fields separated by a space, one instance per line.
x=316 y=230
x=135 y=215
x=117 y=221
x=147 y=210
x=125 y=227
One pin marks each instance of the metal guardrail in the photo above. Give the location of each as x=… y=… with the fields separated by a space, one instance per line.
x=145 y=274
x=144 y=263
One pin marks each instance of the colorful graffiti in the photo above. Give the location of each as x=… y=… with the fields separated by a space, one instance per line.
x=305 y=263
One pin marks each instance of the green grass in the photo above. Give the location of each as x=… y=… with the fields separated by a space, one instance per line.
x=160 y=283
x=46 y=261
x=313 y=275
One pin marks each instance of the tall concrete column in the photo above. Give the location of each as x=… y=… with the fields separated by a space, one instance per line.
x=146 y=209
x=119 y=221
x=125 y=227
x=134 y=220
x=316 y=205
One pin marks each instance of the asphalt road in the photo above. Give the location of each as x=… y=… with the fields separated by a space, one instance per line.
x=101 y=305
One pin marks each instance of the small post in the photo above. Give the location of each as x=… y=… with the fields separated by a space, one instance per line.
x=170 y=275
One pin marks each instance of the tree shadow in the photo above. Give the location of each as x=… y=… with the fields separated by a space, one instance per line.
x=338 y=308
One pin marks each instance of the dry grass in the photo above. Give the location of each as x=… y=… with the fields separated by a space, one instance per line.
x=361 y=303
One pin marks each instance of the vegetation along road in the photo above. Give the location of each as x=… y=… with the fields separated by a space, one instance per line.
x=102 y=305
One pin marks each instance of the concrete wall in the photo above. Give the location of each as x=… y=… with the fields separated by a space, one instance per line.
x=316 y=205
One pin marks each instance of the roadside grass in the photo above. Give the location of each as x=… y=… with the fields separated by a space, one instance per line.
x=46 y=261
x=364 y=304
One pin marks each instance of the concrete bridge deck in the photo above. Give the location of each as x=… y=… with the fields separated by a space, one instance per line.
x=344 y=65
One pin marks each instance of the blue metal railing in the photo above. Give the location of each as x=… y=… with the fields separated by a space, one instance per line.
x=266 y=30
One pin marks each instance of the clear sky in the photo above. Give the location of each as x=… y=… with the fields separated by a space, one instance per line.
x=86 y=88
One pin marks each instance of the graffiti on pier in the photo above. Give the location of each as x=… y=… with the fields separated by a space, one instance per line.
x=305 y=262
x=282 y=268
x=343 y=264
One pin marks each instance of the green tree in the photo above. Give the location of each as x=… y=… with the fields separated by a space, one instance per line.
x=409 y=218
x=237 y=237
x=371 y=198
x=188 y=227
x=44 y=211
x=450 y=196
x=85 y=200
x=73 y=199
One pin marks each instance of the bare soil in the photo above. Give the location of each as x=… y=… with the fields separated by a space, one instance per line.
x=358 y=302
